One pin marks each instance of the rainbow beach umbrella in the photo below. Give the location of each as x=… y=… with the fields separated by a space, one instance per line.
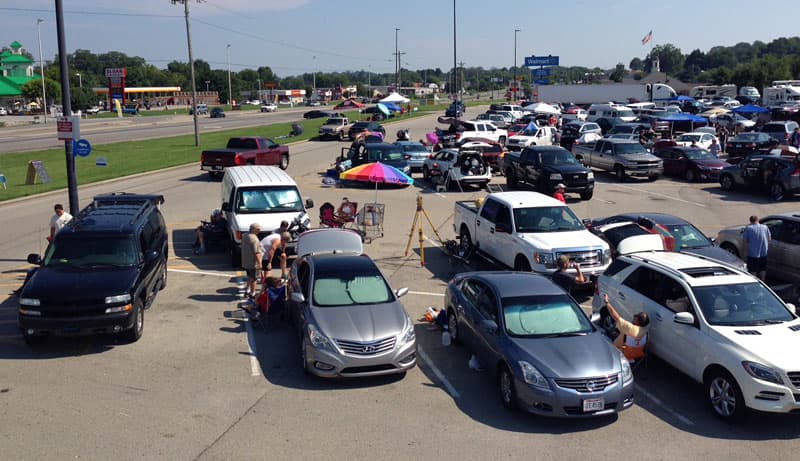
x=377 y=173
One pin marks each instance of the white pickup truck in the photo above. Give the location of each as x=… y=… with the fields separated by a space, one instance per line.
x=528 y=231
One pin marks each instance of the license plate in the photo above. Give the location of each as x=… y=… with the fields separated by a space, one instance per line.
x=590 y=405
x=217 y=167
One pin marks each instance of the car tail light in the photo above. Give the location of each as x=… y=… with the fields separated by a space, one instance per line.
x=435 y=164
x=428 y=156
x=237 y=159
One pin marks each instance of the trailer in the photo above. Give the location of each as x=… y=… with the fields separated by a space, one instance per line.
x=604 y=93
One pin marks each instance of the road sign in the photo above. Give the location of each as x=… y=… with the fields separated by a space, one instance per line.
x=68 y=127
x=541 y=82
x=531 y=61
x=545 y=72
x=81 y=148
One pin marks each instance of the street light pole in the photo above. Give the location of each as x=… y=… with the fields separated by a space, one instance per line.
x=207 y=82
x=230 y=92
x=41 y=66
x=314 y=86
x=191 y=70
x=515 y=65
x=72 y=178
x=455 y=97
x=80 y=80
x=397 y=63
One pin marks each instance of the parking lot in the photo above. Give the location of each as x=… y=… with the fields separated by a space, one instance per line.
x=202 y=383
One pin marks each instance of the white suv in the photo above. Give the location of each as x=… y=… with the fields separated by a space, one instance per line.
x=719 y=325
x=483 y=129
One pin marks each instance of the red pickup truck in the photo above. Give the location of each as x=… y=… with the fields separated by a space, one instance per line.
x=250 y=150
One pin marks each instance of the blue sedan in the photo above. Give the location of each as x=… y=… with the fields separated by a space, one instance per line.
x=547 y=356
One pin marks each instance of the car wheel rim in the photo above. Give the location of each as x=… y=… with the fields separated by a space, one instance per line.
x=452 y=325
x=726 y=182
x=505 y=386
x=139 y=320
x=466 y=243
x=723 y=396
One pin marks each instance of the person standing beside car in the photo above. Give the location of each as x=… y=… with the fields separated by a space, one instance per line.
x=252 y=254
x=59 y=220
x=757 y=237
x=559 y=193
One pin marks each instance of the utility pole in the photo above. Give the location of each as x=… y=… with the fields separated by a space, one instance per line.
x=72 y=179
x=461 y=85
x=230 y=92
x=455 y=97
x=314 y=87
x=396 y=63
x=80 y=80
x=41 y=66
x=191 y=69
x=515 y=66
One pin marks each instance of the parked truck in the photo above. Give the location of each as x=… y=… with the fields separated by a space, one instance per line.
x=250 y=150
x=335 y=128
x=621 y=157
x=603 y=93
x=544 y=167
x=528 y=231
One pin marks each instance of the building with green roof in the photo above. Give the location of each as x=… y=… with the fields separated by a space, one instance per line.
x=16 y=69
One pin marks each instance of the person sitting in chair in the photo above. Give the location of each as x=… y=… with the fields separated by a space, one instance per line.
x=216 y=225
x=633 y=335
x=346 y=211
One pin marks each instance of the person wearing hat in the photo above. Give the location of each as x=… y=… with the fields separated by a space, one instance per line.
x=559 y=192
x=252 y=253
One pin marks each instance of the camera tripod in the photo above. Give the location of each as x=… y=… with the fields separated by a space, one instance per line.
x=417 y=224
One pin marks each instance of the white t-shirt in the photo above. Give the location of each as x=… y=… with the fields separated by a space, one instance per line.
x=58 y=222
x=268 y=241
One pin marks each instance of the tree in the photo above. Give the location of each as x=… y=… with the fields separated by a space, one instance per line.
x=82 y=98
x=33 y=89
x=636 y=64
x=670 y=59
x=619 y=73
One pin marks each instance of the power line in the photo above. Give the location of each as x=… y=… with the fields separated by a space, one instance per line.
x=94 y=13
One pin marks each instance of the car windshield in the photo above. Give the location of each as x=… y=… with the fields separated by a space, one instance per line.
x=284 y=199
x=688 y=138
x=747 y=137
x=630 y=149
x=744 y=304
x=380 y=155
x=546 y=219
x=78 y=251
x=699 y=154
x=350 y=289
x=414 y=147
x=687 y=236
x=333 y=121
x=558 y=157
x=542 y=316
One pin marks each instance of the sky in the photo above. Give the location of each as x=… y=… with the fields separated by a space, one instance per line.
x=298 y=36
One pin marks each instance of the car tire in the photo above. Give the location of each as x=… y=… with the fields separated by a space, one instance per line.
x=724 y=395
x=776 y=192
x=511 y=179
x=587 y=195
x=653 y=177
x=726 y=182
x=453 y=326
x=236 y=255
x=690 y=175
x=163 y=282
x=132 y=335
x=730 y=248
x=619 y=172
x=426 y=173
x=465 y=241
x=303 y=358
x=505 y=386
x=521 y=264
x=284 y=164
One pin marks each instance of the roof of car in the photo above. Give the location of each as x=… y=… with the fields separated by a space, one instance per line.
x=658 y=218
x=694 y=270
x=326 y=264
x=524 y=198
x=514 y=283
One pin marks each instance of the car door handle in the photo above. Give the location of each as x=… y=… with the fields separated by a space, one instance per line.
x=491 y=230
x=478 y=222
x=658 y=317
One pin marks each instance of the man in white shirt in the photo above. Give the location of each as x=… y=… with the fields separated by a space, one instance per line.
x=275 y=244
x=59 y=220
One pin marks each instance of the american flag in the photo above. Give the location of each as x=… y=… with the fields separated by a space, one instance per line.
x=647 y=38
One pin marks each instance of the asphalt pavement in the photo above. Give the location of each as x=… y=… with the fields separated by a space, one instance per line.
x=203 y=384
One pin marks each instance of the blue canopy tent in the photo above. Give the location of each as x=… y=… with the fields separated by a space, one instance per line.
x=392 y=106
x=684 y=117
x=382 y=107
x=750 y=109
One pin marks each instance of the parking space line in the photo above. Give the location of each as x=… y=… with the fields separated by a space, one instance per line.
x=439 y=375
x=425 y=293
x=216 y=274
x=663 y=406
x=661 y=195
x=255 y=369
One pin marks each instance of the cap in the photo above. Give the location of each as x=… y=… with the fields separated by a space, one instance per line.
x=560 y=186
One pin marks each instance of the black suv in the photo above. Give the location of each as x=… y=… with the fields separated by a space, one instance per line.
x=100 y=272
x=358 y=127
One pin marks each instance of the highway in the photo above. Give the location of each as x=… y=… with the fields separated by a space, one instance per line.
x=203 y=384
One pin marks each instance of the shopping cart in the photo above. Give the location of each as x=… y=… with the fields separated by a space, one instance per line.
x=369 y=221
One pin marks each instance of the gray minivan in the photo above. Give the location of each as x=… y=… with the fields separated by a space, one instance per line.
x=782 y=131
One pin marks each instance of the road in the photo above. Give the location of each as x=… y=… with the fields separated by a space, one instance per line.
x=202 y=384
x=109 y=130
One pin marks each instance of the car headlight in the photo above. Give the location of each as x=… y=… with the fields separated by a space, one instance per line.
x=556 y=176
x=118 y=299
x=544 y=258
x=762 y=372
x=590 y=175
x=627 y=372
x=532 y=376
x=318 y=340
x=408 y=334
x=30 y=302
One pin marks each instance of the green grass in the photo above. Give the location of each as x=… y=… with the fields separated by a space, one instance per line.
x=132 y=157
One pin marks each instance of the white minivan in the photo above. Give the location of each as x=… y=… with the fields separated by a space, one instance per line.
x=258 y=194
x=608 y=115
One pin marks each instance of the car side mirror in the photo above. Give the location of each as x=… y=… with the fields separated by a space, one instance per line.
x=309 y=204
x=151 y=255
x=684 y=318
x=501 y=228
x=595 y=317
x=34 y=258
x=226 y=206
x=400 y=292
x=298 y=297
x=489 y=326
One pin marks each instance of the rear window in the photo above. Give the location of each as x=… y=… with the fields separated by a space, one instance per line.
x=242 y=143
